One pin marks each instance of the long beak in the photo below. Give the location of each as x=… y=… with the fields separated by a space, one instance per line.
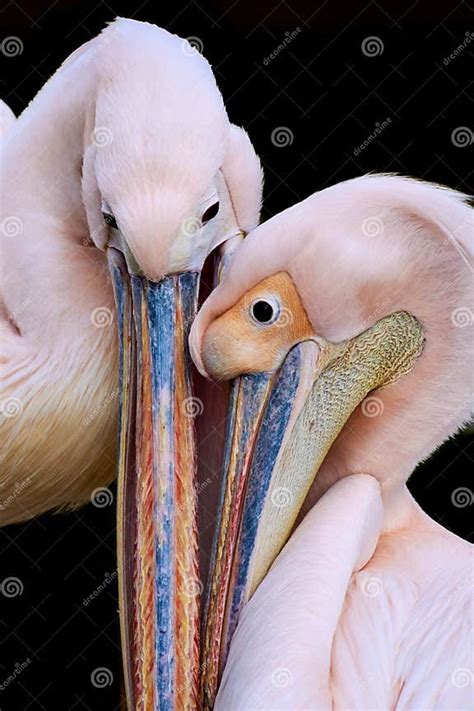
x=281 y=427
x=159 y=587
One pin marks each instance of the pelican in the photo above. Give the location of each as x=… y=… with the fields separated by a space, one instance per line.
x=343 y=322
x=124 y=161
x=7 y=118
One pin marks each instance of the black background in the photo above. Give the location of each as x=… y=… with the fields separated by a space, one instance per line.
x=331 y=96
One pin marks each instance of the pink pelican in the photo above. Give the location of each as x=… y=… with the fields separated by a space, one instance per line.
x=344 y=318
x=124 y=160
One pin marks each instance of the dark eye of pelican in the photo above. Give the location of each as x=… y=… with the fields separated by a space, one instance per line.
x=263 y=311
x=210 y=213
x=110 y=220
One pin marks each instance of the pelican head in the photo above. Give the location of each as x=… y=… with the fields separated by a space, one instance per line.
x=161 y=160
x=339 y=320
x=127 y=156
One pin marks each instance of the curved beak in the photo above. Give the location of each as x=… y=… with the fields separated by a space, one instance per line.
x=281 y=426
x=159 y=587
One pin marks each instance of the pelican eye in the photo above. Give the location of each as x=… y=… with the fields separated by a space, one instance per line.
x=110 y=220
x=211 y=212
x=265 y=311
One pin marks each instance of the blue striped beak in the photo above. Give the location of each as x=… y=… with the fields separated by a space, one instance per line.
x=159 y=585
x=262 y=410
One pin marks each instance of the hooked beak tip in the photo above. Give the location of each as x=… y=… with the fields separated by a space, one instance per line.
x=195 y=341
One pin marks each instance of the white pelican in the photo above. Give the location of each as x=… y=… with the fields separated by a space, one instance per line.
x=345 y=317
x=7 y=118
x=126 y=155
